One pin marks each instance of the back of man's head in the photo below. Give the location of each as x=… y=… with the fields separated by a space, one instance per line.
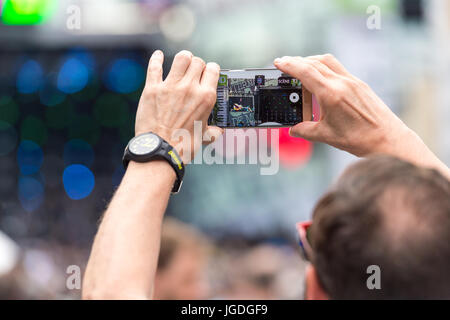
x=391 y=214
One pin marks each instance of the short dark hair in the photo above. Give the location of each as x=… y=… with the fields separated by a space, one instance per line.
x=386 y=212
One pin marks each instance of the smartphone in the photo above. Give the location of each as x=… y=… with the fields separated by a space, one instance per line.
x=260 y=98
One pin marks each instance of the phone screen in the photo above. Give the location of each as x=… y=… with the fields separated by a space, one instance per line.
x=257 y=98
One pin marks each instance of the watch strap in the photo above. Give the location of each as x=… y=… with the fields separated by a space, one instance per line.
x=174 y=159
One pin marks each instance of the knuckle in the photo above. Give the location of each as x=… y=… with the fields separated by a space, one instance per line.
x=183 y=87
x=328 y=57
x=165 y=90
x=315 y=63
x=209 y=96
x=352 y=84
x=154 y=66
x=308 y=69
x=338 y=93
x=362 y=84
x=155 y=69
x=150 y=91
x=199 y=61
x=184 y=55
x=289 y=63
x=192 y=92
x=336 y=98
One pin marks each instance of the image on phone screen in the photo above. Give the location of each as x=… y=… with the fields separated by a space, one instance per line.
x=257 y=98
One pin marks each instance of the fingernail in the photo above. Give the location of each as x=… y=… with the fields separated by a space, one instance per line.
x=157 y=53
x=291 y=133
x=277 y=61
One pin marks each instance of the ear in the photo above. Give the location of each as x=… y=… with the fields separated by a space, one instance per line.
x=314 y=290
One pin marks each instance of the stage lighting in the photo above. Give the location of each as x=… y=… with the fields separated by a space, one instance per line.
x=29 y=157
x=125 y=76
x=31 y=192
x=30 y=77
x=73 y=76
x=27 y=12
x=78 y=181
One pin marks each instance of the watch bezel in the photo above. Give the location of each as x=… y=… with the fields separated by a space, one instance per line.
x=147 y=154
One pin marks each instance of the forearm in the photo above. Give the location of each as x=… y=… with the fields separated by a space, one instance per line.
x=407 y=145
x=125 y=253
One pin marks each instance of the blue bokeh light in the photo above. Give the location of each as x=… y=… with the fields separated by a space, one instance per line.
x=125 y=76
x=8 y=138
x=77 y=151
x=73 y=76
x=49 y=93
x=30 y=77
x=29 y=157
x=78 y=181
x=30 y=193
x=83 y=55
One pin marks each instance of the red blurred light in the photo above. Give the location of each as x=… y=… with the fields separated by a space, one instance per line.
x=294 y=152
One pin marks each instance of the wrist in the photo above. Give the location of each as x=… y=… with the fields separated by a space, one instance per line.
x=401 y=142
x=146 y=169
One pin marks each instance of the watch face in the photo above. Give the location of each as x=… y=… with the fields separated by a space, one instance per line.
x=144 y=144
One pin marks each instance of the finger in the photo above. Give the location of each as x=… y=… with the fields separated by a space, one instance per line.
x=195 y=70
x=323 y=69
x=155 y=69
x=180 y=64
x=308 y=130
x=331 y=62
x=308 y=107
x=211 y=134
x=300 y=69
x=210 y=76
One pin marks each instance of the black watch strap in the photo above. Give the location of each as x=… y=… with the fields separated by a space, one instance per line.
x=174 y=159
x=166 y=152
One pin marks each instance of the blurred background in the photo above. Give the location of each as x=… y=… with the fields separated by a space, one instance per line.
x=71 y=74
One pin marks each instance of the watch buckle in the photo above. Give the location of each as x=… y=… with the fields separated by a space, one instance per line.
x=178 y=189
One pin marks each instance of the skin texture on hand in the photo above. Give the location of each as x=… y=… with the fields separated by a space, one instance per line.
x=352 y=117
x=187 y=94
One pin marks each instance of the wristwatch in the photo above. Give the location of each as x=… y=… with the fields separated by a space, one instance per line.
x=149 y=146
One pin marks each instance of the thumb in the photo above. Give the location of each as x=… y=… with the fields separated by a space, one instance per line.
x=211 y=134
x=308 y=130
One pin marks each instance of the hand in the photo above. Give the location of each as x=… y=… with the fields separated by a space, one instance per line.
x=352 y=117
x=187 y=94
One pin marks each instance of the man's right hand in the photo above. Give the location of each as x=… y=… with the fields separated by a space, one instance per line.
x=352 y=117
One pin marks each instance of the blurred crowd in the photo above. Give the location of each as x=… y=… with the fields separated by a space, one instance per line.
x=191 y=266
